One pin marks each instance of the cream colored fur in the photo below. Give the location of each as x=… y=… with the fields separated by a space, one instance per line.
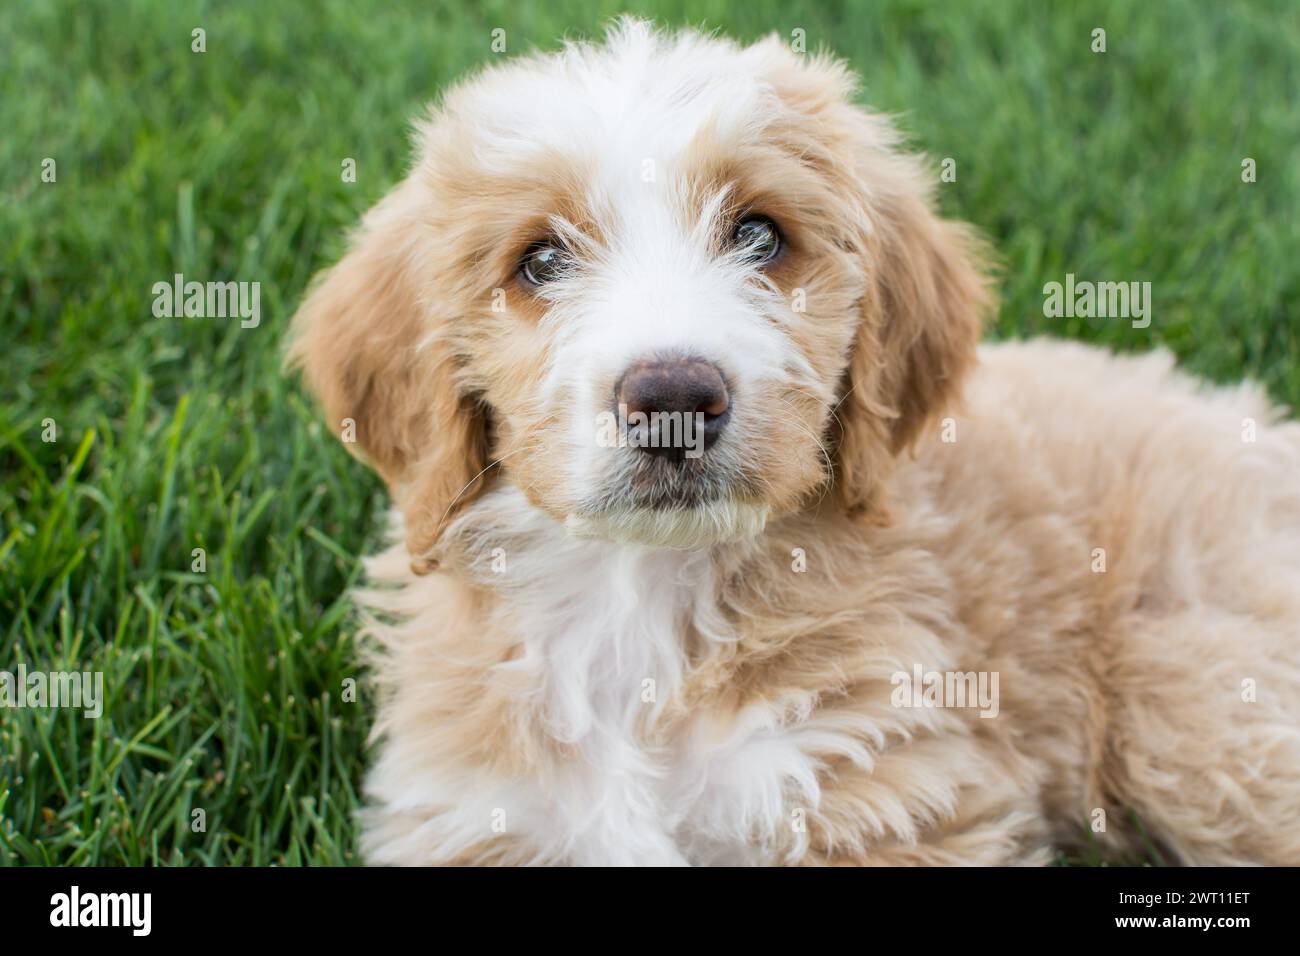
x=584 y=679
x=1121 y=690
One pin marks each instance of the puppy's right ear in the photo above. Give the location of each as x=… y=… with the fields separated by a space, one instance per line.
x=374 y=353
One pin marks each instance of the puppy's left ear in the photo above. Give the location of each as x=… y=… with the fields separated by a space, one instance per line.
x=919 y=325
x=927 y=288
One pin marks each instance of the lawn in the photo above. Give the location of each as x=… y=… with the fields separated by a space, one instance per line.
x=223 y=671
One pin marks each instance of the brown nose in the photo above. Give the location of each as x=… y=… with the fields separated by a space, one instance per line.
x=691 y=388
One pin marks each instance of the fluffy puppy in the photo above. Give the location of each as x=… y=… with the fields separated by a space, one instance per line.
x=878 y=595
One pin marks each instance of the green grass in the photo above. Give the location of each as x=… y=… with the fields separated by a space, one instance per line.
x=174 y=434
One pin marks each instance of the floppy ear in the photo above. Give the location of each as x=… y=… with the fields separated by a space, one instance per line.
x=919 y=318
x=926 y=289
x=919 y=325
x=374 y=353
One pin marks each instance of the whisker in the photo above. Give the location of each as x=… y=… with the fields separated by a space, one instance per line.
x=470 y=483
x=821 y=447
x=820 y=401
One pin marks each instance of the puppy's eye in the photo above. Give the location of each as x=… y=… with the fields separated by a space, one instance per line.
x=542 y=263
x=757 y=238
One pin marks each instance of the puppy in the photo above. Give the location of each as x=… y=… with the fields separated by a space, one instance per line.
x=878 y=595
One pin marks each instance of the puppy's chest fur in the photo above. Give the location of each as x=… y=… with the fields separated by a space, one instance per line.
x=608 y=718
x=616 y=642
